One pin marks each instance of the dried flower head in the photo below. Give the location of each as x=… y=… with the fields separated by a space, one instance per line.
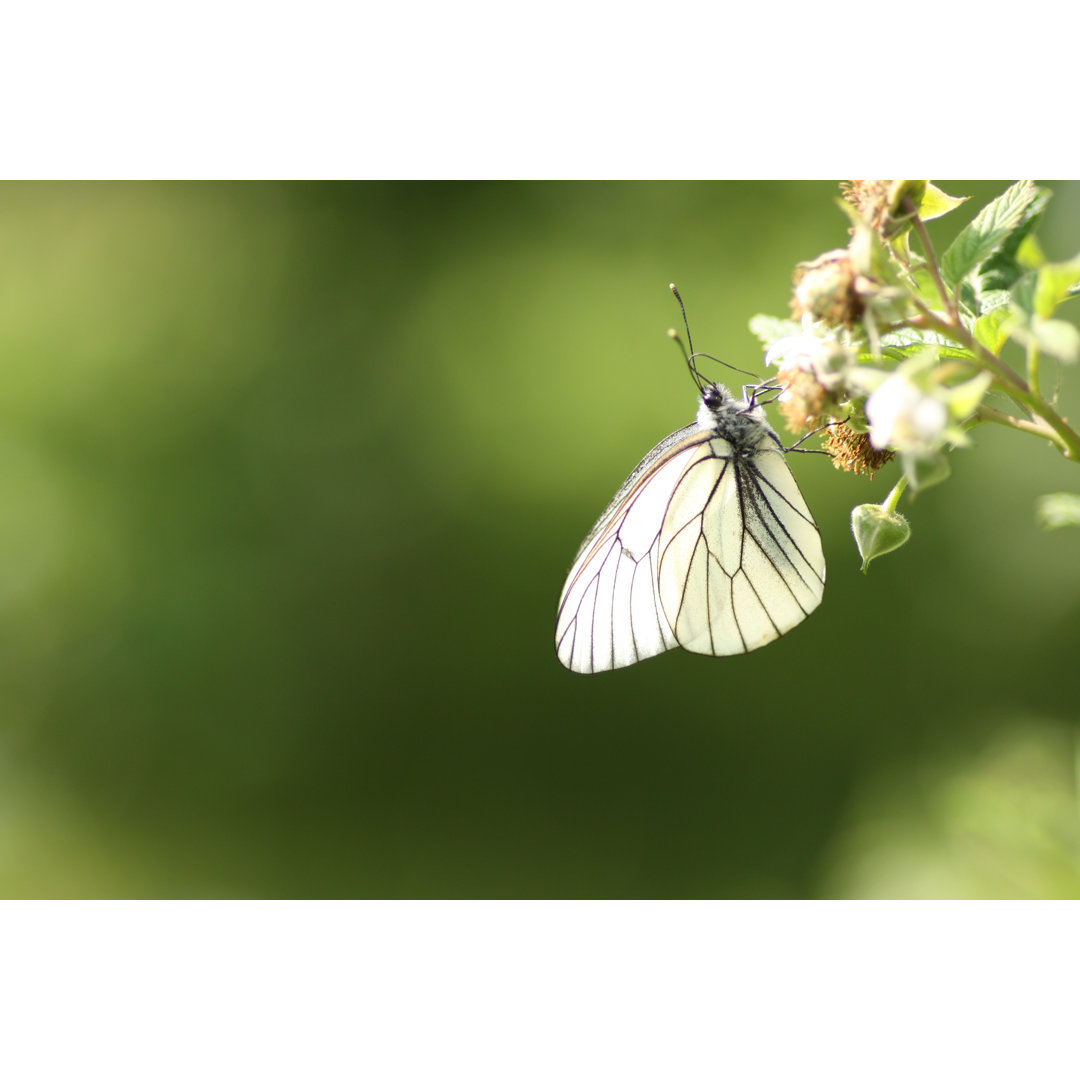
x=811 y=371
x=825 y=289
x=853 y=452
x=803 y=400
x=881 y=202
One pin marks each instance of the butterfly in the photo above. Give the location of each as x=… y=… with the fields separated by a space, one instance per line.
x=708 y=545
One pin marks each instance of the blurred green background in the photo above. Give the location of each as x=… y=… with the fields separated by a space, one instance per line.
x=290 y=477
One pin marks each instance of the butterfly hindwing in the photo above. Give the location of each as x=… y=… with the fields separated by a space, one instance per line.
x=740 y=556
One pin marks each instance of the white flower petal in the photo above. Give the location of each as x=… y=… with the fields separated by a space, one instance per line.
x=905 y=417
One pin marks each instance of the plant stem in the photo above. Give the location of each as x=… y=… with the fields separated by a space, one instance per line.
x=960 y=334
x=891 y=500
x=931 y=262
x=1068 y=440
x=1033 y=368
x=1039 y=427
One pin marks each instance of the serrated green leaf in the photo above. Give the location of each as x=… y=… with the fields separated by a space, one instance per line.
x=935 y=203
x=992 y=329
x=768 y=330
x=995 y=298
x=1020 y=251
x=967 y=299
x=987 y=233
x=877 y=531
x=1058 y=510
x=909 y=335
x=908 y=341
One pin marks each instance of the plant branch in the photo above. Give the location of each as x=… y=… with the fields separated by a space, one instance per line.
x=1038 y=427
x=1067 y=440
x=1033 y=368
x=931 y=260
x=960 y=334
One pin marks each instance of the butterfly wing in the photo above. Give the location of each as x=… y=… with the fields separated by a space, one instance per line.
x=610 y=614
x=740 y=558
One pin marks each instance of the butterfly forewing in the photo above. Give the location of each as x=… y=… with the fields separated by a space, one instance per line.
x=610 y=614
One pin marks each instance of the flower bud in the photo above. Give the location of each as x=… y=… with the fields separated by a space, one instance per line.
x=825 y=289
x=878 y=531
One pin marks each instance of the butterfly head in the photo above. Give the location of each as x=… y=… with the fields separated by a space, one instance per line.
x=717 y=404
x=741 y=422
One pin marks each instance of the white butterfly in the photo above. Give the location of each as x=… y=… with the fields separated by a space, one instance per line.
x=709 y=545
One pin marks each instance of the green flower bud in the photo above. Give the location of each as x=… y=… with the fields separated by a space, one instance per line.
x=877 y=531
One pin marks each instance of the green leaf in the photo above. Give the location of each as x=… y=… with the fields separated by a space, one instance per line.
x=993 y=298
x=987 y=234
x=1053 y=284
x=992 y=329
x=1054 y=337
x=1057 y=338
x=768 y=330
x=1020 y=251
x=964 y=398
x=925 y=288
x=877 y=531
x=1057 y=510
x=935 y=203
x=1029 y=254
x=1023 y=292
x=924 y=471
x=906 y=341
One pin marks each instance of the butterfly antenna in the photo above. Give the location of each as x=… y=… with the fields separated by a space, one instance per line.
x=674 y=335
x=686 y=322
x=699 y=379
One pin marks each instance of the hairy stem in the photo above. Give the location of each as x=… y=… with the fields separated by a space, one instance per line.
x=1037 y=427
x=891 y=500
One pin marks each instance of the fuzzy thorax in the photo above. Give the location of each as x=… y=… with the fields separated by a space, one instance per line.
x=740 y=422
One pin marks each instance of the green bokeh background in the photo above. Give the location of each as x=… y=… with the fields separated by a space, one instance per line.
x=290 y=476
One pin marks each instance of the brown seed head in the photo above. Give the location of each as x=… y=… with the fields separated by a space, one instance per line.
x=853 y=452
